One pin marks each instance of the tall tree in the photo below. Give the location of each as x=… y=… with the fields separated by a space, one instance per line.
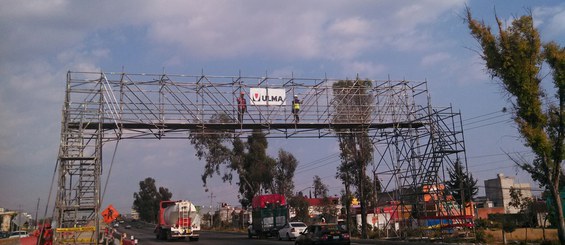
x=284 y=172
x=164 y=194
x=146 y=201
x=515 y=57
x=249 y=160
x=213 y=146
x=344 y=174
x=320 y=189
x=258 y=167
x=353 y=104
x=300 y=205
x=461 y=182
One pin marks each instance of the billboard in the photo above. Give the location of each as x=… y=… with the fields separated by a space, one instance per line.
x=267 y=96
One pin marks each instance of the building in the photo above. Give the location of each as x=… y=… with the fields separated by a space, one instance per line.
x=328 y=208
x=134 y=214
x=498 y=191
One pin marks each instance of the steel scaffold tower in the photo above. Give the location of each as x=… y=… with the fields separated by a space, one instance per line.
x=414 y=142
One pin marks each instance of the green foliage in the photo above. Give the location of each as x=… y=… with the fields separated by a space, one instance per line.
x=515 y=57
x=146 y=201
x=300 y=206
x=320 y=189
x=482 y=237
x=461 y=181
x=284 y=171
x=483 y=223
x=258 y=168
x=509 y=226
x=212 y=146
x=549 y=242
x=249 y=160
x=353 y=103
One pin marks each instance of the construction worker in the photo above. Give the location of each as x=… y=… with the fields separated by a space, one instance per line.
x=296 y=108
x=241 y=106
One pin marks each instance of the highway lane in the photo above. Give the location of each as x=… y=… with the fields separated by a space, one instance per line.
x=144 y=235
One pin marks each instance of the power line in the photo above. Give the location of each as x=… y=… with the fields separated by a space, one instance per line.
x=497 y=154
x=484 y=120
x=479 y=116
x=317 y=161
x=490 y=124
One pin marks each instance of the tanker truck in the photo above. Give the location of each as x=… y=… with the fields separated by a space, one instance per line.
x=178 y=220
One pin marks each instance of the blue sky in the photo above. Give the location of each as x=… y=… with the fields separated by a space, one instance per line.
x=424 y=40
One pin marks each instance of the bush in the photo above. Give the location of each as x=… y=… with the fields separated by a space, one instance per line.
x=482 y=237
x=547 y=242
x=373 y=234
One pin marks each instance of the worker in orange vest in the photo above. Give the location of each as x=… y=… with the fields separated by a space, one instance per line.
x=241 y=106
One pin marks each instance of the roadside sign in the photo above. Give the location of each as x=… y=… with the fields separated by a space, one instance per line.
x=110 y=214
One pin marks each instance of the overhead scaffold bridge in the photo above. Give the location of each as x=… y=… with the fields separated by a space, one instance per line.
x=414 y=142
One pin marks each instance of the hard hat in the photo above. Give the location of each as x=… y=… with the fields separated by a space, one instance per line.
x=241 y=92
x=295 y=96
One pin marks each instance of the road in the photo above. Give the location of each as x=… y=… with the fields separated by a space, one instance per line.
x=144 y=234
x=206 y=238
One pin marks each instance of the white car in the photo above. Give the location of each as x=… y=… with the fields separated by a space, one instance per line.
x=291 y=230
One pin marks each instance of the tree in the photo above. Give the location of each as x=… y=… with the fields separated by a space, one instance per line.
x=353 y=104
x=146 y=201
x=284 y=171
x=320 y=189
x=526 y=205
x=461 y=182
x=257 y=169
x=344 y=174
x=300 y=205
x=515 y=57
x=249 y=160
x=164 y=194
x=212 y=146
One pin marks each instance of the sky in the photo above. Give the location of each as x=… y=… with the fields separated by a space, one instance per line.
x=420 y=40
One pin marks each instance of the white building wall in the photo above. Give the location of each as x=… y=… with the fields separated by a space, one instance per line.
x=498 y=191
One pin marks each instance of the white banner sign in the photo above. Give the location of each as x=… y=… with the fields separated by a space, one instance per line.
x=266 y=96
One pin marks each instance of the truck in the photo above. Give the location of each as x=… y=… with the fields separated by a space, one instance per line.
x=268 y=215
x=178 y=220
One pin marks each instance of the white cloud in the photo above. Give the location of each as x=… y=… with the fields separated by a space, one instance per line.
x=350 y=26
x=363 y=69
x=434 y=59
x=550 y=20
x=230 y=29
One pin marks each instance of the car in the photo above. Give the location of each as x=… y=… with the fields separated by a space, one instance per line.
x=324 y=234
x=291 y=230
x=4 y=234
x=116 y=225
x=128 y=226
x=19 y=234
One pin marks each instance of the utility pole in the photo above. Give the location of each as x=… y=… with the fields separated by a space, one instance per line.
x=210 y=211
x=361 y=160
x=37 y=213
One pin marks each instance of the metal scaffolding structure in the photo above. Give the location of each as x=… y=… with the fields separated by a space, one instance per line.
x=414 y=142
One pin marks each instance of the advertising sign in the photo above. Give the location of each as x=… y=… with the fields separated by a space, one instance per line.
x=267 y=96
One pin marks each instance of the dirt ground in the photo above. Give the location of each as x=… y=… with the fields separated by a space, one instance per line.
x=533 y=234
